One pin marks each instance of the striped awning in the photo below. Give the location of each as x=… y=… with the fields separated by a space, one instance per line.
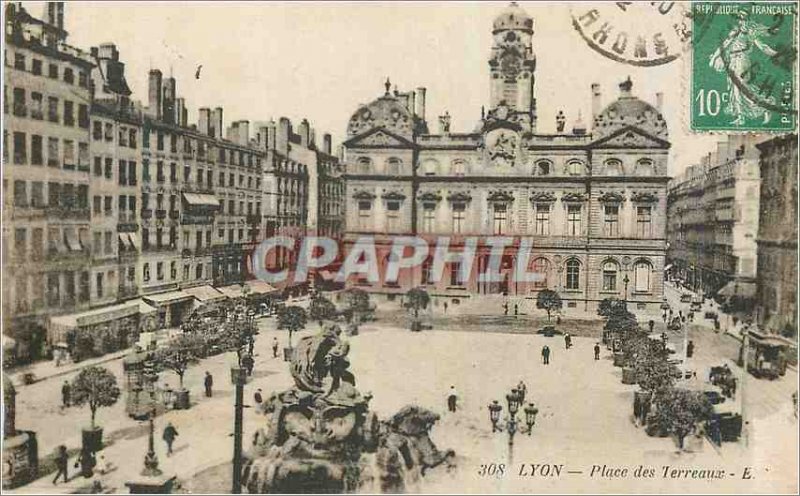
x=205 y=293
x=201 y=200
x=167 y=298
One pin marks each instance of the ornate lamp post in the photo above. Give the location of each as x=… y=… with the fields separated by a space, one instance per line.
x=530 y=416
x=238 y=378
x=494 y=414
x=514 y=400
x=626 y=280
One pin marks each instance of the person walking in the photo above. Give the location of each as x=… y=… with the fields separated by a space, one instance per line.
x=274 y=347
x=248 y=363
x=690 y=349
x=208 y=381
x=452 y=398
x=505 y=308
x=597 y=351
x=251 y=343
x=170 y=433
x=65 y=394
x=567 y=341
x=87 y=461
x=546 y=355
x=445 y=307
x=259 y=400
x=62 y=460
x=523 y=390
x=516 y=309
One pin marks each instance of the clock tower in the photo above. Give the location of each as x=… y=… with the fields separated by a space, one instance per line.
x=511 y=68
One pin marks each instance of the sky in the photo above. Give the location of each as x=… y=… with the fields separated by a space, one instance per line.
x=321 y=61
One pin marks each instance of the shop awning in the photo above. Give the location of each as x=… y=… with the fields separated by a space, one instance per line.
x=72 y=241
x=232 y=291
x=260 y=287
x=666 y=268
x=132 y=241
x=201 y=200
x=205 y=293
x=168 y=298
x=96 y=316
x=738 y=289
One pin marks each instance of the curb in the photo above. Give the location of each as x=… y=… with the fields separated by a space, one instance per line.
x=18 y=382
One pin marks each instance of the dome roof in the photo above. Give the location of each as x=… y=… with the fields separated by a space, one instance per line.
x=628 y=110
x=388 y=111
x=513 y=17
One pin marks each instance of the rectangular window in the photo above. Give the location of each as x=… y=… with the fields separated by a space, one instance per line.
x=52 y=71
x=69 y=154
x=393 y=216
x=611 y=221
x=123 y=173
x=160 y=141
x=97 y=130
x=459 y=210
x=20 y=109
x=20 y=194
x=542 y=219
x=108 y=246
x=643 y=222
x=573 y=220
x=364 y=214
x=83 y=156
x=53 y=159
x=132 y=173
x=500 y=213
x=455 y=274
x=69 y=76
x=146 y=272
x=108 y=131
x=19 y=61
x=69 y=113
x=122 y=136
x=108 y=168
x=36 y=150
x=20 y=148
x=428 y=217
x=52 y=109
x=36 y=68
x=97 y=204
x=146 y=171
x=132 y=138
x=83 y=116
x=37 y=194
x=99 y=284
x=37 y=106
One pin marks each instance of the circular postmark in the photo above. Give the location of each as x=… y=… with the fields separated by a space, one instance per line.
x=641 y=34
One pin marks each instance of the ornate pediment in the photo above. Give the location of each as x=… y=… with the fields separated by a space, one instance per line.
x=379 y=137
x=543 y=197
x=573 y=197
x=393 y=195
x=500 y=195
x=429 y=196
x=363 y=195
x=459 y=196
x=611 y=197
x=644 y=197
x=630 y=137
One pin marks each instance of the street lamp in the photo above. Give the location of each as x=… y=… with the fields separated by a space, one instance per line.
x=494 y=414
x=530 y=416
x=238 y=378
x=514 y=400
x=151 y=459
x=626 y=280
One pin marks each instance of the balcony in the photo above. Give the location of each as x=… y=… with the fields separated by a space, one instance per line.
x=147 y=213
x=161 y=178
x=68 y=213
x=188 y=219
x=174 y=214
x=127 y=291
x=28 y=212
x=161 y=214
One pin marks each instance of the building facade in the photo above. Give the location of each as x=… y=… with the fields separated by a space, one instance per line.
x=713 y=221
x=47 y=243
x=776 y=294
x=590 y=203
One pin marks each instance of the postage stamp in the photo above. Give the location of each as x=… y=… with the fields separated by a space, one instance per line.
x=743 y=66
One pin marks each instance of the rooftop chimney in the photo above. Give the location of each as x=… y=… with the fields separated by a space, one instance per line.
x=180 y=110
x=420 y=100
x=282 y=135
x=168 y=100
x=54 y=14
x=272 y=131
x=303 y=130
x=154 y=94
x=326 y=143
x=244 y=133
x=204 y=121
x=216 y=129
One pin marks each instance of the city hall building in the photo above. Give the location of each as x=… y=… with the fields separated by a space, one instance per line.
x=592 y=202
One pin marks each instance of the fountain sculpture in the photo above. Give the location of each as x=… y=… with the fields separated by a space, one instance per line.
x=320 y=436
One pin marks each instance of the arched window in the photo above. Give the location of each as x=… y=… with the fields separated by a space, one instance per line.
x=541 y=268
x=645 y=167
x=364 y=165
x=430 y=167
x=613 y=167
x=641 y=276
x=543 y=168
x=394 y=166
x=573 y=274
x=575 y=168
x=610 y=270
x=459 y=167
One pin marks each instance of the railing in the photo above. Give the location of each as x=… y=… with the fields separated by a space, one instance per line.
x=197 y=219
x=147 y=213
x=68 y=213
x=161 y=214
x=127 y=291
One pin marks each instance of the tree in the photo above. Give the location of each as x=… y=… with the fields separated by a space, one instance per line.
x=417 y=299
x=652 y=369
x=321 y=309
x=357 y=300
x=293 y=319
x=621 y=320
x=680 y=410
x=96 y=387
x=549 y=301
x=233 y=335
x=609 y=306
x=181 y=352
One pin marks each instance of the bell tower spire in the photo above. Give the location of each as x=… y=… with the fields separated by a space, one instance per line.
x=512 y=67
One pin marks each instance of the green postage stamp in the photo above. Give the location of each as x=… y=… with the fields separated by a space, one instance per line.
x=744 y=63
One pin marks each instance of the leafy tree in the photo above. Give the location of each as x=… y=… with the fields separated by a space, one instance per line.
x=357 y=300
x=181 y=352
x=621 y=320
x=321 y=309
x=233 y=335
x=549 y=301
x=680 y=410
x=651 y=367
x=609 y=306
x=293 y=319
x=417 y=299
x=96 y=387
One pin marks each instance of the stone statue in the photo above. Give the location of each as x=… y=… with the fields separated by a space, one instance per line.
x=320 y=436
x=561 y=121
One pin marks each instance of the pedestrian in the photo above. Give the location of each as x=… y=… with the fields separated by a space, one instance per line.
x=445 y=307
x=664 y=316
x=248 y=363
x=567 y=341
x=274 y=347
x=87 y=461
x=680 y=314
x=258 y=399
x=733 y=387
x=62 y=460
x=251 y=345
x=690 y=349
x=523 y=391
x=452 y=398
x=103 y=467
x=558 y=319
x=516 y=309
x=597 y=351
x=170 y=433
x=546 y=355
x=505 y=308
x=208 y=381
x=65 y=394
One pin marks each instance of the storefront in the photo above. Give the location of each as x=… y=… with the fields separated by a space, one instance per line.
x=207 y=299
x=234 y=291
x=173 y=307
x=100 y=331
